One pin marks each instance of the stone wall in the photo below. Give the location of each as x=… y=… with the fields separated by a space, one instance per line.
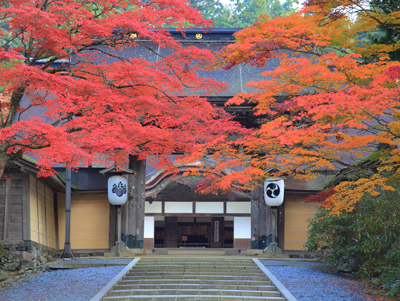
x=23 y=257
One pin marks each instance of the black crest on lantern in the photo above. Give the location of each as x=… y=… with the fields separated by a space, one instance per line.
x=119 y=189
x=273 y=190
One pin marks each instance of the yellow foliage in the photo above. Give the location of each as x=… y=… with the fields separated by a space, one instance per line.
x=347 y=194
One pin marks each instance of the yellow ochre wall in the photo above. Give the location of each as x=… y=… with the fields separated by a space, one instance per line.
x=42 y=213
x=296 y=214
x=90 y=216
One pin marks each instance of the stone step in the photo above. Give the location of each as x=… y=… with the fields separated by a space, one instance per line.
x=196 y=292
x=195 y=258
x=190 y=298
x=198 y=277
x=184 y=252
x=233 y=270
x=194 y=286
x=219 y=262
x=204 y=267
x=191 y=281
x=194 y=262
x=234 y=263
x=236 y=271
x=201 y=267
x=194 y=279
x=185 y=269
x=255 y=273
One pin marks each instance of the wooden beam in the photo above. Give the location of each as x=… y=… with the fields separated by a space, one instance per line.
x=301 y=192
x=196 y=198
x=197 y=214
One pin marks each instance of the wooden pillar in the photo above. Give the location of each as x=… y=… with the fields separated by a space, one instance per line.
x=281 y=226
x=133 y=210
x=112 y=234
x=268 y=220
x=261 y=214
x=171 y=232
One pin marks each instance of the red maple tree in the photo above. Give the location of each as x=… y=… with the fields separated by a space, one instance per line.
x=73 y=94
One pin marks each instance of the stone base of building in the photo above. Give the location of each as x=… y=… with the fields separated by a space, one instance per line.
x=149 y=243
x=241 y=243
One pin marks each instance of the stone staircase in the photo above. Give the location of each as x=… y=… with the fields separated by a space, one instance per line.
x=193 y=279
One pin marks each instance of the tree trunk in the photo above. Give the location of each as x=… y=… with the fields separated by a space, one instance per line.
x=133 y=211
x=3 y=162
x=255 y=213
x=261 y=214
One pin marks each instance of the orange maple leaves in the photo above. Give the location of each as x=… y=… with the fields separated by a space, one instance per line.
x=331 y=102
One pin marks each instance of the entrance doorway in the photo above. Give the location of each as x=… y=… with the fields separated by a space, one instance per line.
x=193 y=232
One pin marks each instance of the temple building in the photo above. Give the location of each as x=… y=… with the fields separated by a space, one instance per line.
x=166 y=212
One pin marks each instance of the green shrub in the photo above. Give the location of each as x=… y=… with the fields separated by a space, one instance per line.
x=365 y=241
x=3 y=251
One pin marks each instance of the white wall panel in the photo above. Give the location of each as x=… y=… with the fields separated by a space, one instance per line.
x=242 y=227
x=238 y=207
x=155 y=207
x=148 y=227
x=178 y=207
x=209 y=207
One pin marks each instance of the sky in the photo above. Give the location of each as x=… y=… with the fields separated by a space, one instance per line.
x=225 y=2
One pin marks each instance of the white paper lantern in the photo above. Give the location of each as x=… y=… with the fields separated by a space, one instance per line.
x=274 y=190
x=117 y=190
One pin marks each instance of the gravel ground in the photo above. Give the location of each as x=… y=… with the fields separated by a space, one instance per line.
x=83 y=260
x=305 y=283
x=312 y=284
x=287 y=262
x=62 y=285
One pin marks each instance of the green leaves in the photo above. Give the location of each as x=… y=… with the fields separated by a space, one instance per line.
x=241 y=13
x=365 y=240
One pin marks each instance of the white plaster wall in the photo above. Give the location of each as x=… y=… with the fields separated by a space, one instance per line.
x=209 y=207
x=155 y=207
x=148 y=227
x=238 y=207
x=242 y=227
x=178 y=207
